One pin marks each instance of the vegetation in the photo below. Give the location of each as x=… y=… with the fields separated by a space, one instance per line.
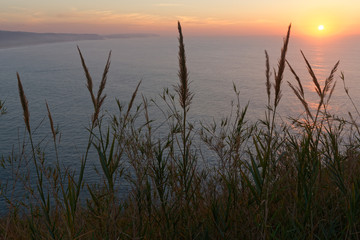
x=266 y=180
x=2 y=108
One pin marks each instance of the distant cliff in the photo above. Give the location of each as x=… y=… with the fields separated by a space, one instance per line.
x=14 y=39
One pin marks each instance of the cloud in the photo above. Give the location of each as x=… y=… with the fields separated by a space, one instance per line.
x=110 y=21
x=169 y=5
x=193 y=20
x=109 y=16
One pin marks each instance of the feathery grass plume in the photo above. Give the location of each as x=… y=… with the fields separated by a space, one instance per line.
x=299 y=91
x=318 y=90
x=281 y=68
x=131 y=102
x=51 y=122
x=24 y=104
x=2 y=107
x=100 y=99
x=301 y=97
x=88 y=78
x=329 y=81
x=268 y=74
x=146 y=114
x=342 y=76
x=331 y=92
x=44 y=198
x=185 y=96
x=327 y=86
x=346 y=89
x=312 y=74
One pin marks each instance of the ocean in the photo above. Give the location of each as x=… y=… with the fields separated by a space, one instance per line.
x=53 y=73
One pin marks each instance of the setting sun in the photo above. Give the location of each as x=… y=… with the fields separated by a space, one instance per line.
x=321 y=27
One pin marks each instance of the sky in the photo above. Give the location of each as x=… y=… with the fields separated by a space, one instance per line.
x=198 y=17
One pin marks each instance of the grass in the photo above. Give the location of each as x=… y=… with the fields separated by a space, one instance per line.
x=271 y=180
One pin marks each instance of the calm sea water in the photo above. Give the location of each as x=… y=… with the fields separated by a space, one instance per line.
x=53 y=73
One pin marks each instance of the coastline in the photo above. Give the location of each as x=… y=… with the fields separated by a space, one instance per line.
x=11 y=39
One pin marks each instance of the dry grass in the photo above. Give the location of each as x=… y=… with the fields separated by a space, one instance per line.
x=270 y=181
x=24 y=104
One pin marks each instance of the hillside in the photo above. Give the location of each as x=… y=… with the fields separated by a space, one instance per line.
x=15 y=39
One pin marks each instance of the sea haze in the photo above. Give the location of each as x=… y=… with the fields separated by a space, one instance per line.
x=53 y=73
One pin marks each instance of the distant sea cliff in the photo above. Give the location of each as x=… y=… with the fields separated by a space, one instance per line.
x=14 y=39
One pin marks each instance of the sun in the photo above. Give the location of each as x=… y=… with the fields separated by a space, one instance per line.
x=321 y=27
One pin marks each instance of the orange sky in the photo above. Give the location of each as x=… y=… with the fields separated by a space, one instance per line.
x=198 y=17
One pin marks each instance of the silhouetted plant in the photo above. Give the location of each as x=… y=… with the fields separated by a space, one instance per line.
x=268 y=179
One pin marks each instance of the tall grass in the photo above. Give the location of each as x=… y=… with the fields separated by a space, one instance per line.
x=2 y=107
x=267 y=179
